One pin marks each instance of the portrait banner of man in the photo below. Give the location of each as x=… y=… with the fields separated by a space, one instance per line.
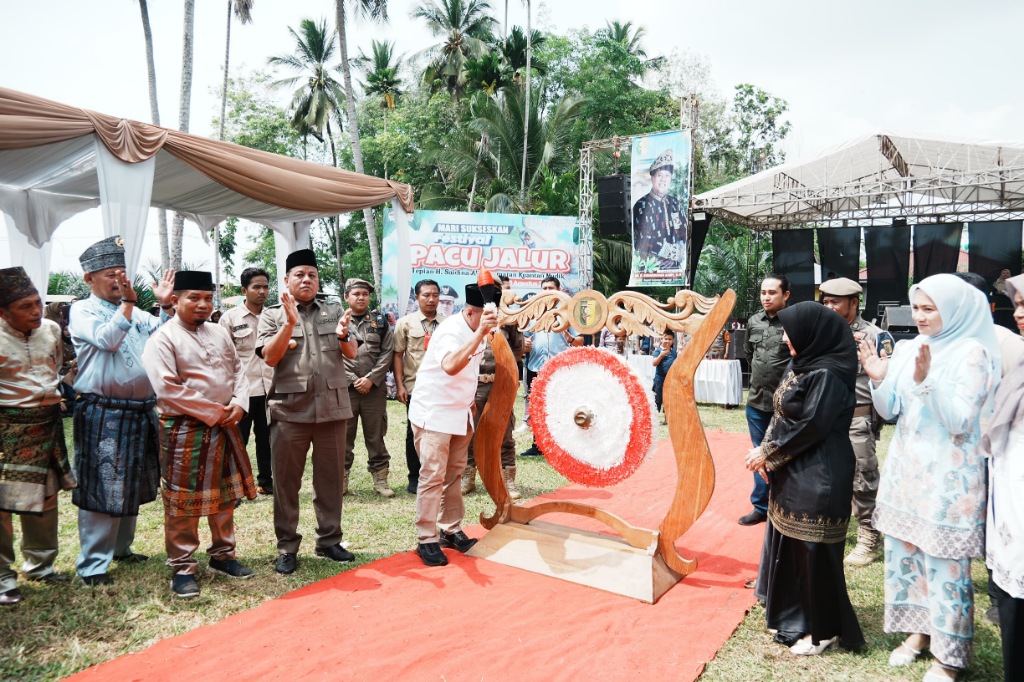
x=660 y=180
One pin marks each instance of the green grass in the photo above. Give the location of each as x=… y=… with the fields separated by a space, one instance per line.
x=62 y=629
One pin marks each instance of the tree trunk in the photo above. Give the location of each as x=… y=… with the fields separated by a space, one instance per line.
x=526 y=110
x=220 y=136
x=184 y=106
x=336 y=219
x=353 y=131
x=479 y=155
x=154 y=112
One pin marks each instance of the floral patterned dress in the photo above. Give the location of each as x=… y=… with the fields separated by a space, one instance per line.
x=932 y=496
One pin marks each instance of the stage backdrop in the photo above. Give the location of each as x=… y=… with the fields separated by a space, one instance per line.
x=793 y=256
x=660 y=187
x=451 y=247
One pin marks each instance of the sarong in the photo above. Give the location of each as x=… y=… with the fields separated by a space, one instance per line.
x=31 y=444
x=117 y=457
x=204 y=467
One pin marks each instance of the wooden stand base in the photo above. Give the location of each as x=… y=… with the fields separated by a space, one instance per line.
x=602 y=561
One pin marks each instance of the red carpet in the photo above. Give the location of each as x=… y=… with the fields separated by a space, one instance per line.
x=395 y=619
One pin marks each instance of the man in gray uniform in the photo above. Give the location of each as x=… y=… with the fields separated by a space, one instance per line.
x=843 y=296
x=304 y=339
x=366 y=392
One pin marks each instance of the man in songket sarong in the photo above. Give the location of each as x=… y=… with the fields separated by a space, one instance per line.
x=116 y=454
x=202 y=393
x=33 y=457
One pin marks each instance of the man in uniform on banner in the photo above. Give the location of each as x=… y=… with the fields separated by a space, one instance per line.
x=843 y=296
x=442 y=421
x=412 y=338
x=304 y=339
x=659 y=223
x=116 y=450
x=33 y=456
x=768 y=355
x=202 y=394
x=446 y=302
x=541 y=347
x=367 y=393
x=242 y=322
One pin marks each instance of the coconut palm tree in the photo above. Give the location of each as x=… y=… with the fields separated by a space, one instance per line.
x=318 y=95
x=513 y=51
x=381 y=73
x=465 y=28
x=529 y=86
x=374 y=10
x=165 y=255
x=243 y=10
x=184 y=108
x=627 y=35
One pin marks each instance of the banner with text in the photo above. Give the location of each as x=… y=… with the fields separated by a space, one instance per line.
x=660 y=184
x=451 y=247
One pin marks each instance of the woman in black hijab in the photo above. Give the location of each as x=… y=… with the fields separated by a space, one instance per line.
x=807 y=449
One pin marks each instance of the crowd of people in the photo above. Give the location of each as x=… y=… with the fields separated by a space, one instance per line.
x=166 y=403
x=823 y=381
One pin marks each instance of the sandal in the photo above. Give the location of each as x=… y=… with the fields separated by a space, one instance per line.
x=940 y=672
x=807 y=647
x=902 y=656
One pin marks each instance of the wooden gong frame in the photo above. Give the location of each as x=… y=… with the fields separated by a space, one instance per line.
x=638 y=562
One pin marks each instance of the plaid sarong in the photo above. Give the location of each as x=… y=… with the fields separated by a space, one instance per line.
x=203 y=466
x=31 y=444
x=117 y=458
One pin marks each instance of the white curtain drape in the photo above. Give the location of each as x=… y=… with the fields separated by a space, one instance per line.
x=403 y=278
x=125 y=192
x=288 y=237
x=35 y=259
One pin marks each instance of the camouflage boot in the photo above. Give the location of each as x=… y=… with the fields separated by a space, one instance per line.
x=380 y=483
x=510 y=482
x=344 y=483
x=468 y=480
x=868 y=549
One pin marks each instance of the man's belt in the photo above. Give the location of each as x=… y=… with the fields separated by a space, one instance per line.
x=486 y=379
x=862 y=411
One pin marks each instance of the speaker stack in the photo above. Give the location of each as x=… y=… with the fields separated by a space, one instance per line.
x=614 y=211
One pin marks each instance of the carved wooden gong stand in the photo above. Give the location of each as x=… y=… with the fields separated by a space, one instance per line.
x=638 y=562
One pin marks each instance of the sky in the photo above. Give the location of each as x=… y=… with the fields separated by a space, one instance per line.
x=845 y=68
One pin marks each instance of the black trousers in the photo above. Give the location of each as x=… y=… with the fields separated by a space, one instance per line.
x=1011 y=624
x=530 y=376
x=256 y=419
x=412 y=458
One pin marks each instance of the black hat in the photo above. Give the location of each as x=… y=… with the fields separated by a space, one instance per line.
x=15 y=284
x=475 y=298
x=300 y=257
x=108 y=253
x=193 y=280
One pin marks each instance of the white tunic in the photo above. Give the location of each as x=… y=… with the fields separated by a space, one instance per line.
x=441 y=402
x=1004 y=542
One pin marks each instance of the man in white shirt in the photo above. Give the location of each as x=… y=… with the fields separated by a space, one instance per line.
x=443 y=399
x=242 y=322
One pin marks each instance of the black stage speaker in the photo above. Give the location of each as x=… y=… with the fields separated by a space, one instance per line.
x=613 y=204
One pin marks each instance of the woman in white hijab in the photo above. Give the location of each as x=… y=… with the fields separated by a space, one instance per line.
x=1004 y=445
x=932 y=495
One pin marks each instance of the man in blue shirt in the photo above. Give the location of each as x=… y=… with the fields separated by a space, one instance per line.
x=541 y=347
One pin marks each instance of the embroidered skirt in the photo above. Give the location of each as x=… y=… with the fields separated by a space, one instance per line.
x=31 y=444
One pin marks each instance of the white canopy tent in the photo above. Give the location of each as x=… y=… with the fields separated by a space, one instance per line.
x=57 y=161
x=875 y=178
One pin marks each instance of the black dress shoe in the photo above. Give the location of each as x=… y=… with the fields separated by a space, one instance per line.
x=753 y=518
x=457 y=540
x=97 y=580
x=431 y=554
x=412 y=487
x=286 y=563
x=132 y=558
x=11 y=597
x=532 y=452
x=51 y=579
x=335 y=553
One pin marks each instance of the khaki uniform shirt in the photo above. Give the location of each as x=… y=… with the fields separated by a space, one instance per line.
x=242 y=324
x=310 y=385
x=881 y=340
x=376 y=348
x=768 y=356
x=410 y=342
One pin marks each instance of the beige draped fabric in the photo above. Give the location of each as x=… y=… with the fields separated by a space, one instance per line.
x=27 y=121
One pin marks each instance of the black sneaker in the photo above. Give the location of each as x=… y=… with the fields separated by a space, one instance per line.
x=753 y=518
x=133 y=558
x=11 y=597
x=457 y=540
x=335 y=553
x=431 y=554
x=532 y=452
x=230 y=568
x=286 y=563
x=184 y=585
x=51 y=579
x=412 y=487
x=97 y=580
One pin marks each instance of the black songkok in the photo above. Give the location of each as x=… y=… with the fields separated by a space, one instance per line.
x=300 y=257
x=193 y=280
